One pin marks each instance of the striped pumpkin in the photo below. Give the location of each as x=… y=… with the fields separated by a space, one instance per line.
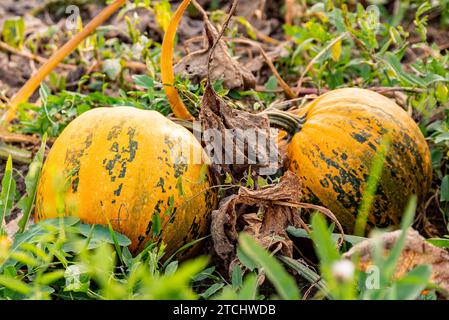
x=341 y=136
x=133 y=168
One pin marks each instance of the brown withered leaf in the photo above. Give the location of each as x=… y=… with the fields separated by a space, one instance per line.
x=236 y=140
x=256 y=213
x=256 y=62
x=416 y=252
x=263 y=15
x=222 y=66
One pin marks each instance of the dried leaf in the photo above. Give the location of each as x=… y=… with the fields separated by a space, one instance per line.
x=263 y=15
x=255 y=213
x=223 y=66
x=416 y=252
x=236 y=140
x=256 y=61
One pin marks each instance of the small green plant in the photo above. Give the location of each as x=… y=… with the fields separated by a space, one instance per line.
x=13 y=32
x=65 y=259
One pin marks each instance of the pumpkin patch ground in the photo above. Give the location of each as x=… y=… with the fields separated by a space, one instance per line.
x=246 y=150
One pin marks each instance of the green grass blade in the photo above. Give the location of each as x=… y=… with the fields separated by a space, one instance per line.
x=15 y=285
x=7 y=194
x=411 y=286
x=249 y=288
x=31 y=181
x=184 y=247
x=407 y=220
x=116 y=243
x=371 y=188
x=322 y=238
x=282 y=281
x=307 y=273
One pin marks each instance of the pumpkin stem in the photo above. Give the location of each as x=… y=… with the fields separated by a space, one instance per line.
x=285 y=121
x=27 y=90
x=168 y=78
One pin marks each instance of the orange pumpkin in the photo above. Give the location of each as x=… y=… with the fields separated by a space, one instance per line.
x=133 y=168
x=334 y=149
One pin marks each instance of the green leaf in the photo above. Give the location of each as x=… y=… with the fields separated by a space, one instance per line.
x=442 y=92
x=163 y=13
x=213 y=289
x=228 y=179
x=272 y=83
x=25 y=258
x=375 y=173
x=245 y=260
x=113 y=235
x=101 y=264
x=44 y=93
x=407 y=220
x=250 y=180
x=307 y=273
x=100 y=233
x=411 y=286
x=183 y=248
x=249 y=288
x=156 y=224
x=171 y=268
x=50 y=277
x=77 y=278
x=439 y=242
x=41 y=228
x=249 y=28
x=177 y=286
x=13 y=32
x=31 y=181
x=443 y=137
x=444 y=193
x=237 y=277
x=283 y=282
x=394 y=63
x=15 y=285
x=321 y=236
x=144 y=81
x=7 y=194
x=205 y=274
x=301 y=233
x=336 y=51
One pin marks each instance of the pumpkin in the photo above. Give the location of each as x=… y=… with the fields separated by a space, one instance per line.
x=339 y=136
x=135 y=169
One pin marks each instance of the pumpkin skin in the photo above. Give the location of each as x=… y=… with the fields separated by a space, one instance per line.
x=123 y=164
x=336 y=146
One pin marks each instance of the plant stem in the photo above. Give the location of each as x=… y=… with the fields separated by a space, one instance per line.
x=4 y=46
x=18 y=155
x=285 y=120
x=167 y=74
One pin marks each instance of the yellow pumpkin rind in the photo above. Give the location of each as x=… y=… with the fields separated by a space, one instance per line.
x=336 y=146
x=123 y=165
